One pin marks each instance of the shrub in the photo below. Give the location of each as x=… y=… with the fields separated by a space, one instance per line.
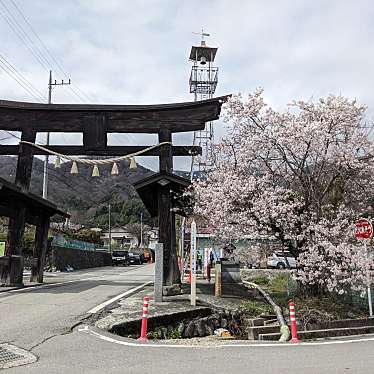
x=255 y=308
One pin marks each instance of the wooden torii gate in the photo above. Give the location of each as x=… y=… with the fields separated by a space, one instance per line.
x=95 y=122
x=35 y=211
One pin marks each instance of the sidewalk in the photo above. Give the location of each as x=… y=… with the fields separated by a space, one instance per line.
x=124 y=318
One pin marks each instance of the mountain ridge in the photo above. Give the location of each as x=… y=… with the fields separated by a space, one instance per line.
x=85 y=197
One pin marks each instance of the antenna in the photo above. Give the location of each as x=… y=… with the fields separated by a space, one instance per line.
x=202 y=34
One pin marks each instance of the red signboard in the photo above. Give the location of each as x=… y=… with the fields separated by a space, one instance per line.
x=363 y=229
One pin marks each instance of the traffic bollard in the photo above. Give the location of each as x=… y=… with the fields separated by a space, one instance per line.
x=294 y=338
x=190 y=272
x=208 y=275
x=143 y=333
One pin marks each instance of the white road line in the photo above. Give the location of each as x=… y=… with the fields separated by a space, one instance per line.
x=87 y=330
x=110 y=301
x=47 y=285
x=46 y=274
x=33 y=288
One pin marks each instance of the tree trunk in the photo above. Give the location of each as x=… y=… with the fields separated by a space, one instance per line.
x=173 y=275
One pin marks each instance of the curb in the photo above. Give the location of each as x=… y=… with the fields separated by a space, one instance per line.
x=115 y=339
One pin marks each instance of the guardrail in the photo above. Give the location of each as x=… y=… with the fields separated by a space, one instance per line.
x=62 y=241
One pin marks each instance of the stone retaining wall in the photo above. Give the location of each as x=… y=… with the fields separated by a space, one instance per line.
x=78 y=259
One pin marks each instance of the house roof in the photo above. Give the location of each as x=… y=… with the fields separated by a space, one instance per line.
x=147 y=189
x=12 y=197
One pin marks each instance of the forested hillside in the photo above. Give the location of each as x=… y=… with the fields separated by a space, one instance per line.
x=85 y=197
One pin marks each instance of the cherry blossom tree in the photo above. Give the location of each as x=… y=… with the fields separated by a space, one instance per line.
x=249 y=255
x=301 y=177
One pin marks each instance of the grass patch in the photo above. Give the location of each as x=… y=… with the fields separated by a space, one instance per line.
x=313 y=310
x=327 y=308
x=254 y=308
x=280 y=283
x=278 y=287
x=261 y=280
x=310 y=310
x=164 y=333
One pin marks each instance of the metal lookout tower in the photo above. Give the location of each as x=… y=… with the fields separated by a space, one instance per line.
x=203 y=83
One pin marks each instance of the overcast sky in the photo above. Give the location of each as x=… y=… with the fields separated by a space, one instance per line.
x=132 y=52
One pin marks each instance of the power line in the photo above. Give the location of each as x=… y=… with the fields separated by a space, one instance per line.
x=6 y=70
x=59 y=175
x=11 y=134
x=78 y=94
x=87 y=97
x=83 y=194
x=150 y=164
x=45 y=58
x=20 y=32
x=14 y=71
x=52 y=57
x=37 y=36
x=6 y=137
x=62 y=178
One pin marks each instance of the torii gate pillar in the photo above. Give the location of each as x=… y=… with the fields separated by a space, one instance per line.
x=166 y=218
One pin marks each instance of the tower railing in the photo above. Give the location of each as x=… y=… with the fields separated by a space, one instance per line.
x=203 y=80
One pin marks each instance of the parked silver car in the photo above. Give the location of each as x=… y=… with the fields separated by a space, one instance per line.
x=278 y=260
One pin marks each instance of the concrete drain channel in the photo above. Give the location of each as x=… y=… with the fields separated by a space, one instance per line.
x=11 y=356
x=185 y=325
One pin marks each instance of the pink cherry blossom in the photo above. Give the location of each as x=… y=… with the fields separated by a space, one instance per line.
x=300 y=177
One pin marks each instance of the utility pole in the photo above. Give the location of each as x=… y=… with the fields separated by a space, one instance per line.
x=193 y=263
x=141 y=230
x=45 y=170
x=181 y=243
x=110 y=231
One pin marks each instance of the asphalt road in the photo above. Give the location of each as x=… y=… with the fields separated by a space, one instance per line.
x=40 y=320
x=32 y=315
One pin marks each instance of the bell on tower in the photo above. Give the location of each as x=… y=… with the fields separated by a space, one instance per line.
x=204 y=77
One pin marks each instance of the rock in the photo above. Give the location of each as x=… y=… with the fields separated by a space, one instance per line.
x=215 y=320
x=174 y=289
x=233 y=327
x=201 y=327
x=209 y=327
x=181 y=327
x=164 y=332
x=224 y=323
x=236 y=316
x=196 y=329
x=190 y=329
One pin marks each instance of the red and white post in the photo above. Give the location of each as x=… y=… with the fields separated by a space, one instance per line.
x=294 y=338
x=143 y=333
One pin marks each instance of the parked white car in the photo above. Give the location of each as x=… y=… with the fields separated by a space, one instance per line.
x=278 y=260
